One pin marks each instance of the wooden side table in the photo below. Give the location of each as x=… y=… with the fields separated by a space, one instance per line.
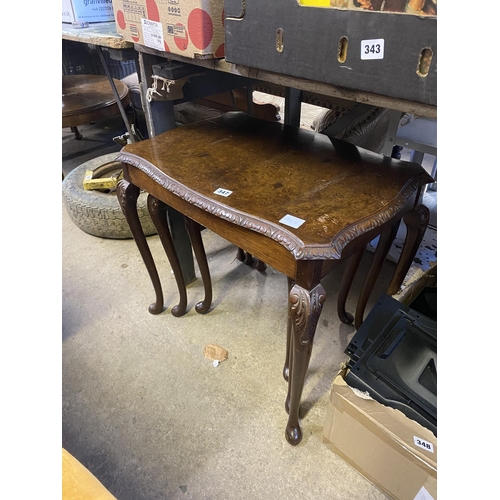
x=87 y=98
x=299 y=201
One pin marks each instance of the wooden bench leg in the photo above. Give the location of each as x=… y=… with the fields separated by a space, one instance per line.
x=158 y=212
x=127 y=197
x=305 y=309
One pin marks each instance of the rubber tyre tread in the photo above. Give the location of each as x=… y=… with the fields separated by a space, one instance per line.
x=97 y=213
x=104 y=169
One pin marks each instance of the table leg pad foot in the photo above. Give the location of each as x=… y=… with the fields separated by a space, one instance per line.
x=178 y=310
x=202 y=308
x=346 y=318
x=293 y=435
x=155 y=308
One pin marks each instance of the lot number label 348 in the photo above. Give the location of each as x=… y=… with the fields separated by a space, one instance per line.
x=422 y=443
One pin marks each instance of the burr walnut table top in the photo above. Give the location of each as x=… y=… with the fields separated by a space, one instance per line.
x=271 y=170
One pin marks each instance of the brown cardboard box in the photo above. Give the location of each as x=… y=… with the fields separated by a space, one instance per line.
x=396 y=454
x=191 y=28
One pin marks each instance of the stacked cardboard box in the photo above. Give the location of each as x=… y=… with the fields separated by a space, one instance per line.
x=192 y=28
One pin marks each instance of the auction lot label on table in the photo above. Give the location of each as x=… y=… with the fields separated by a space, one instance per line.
x=292 y=221
x=223 y=192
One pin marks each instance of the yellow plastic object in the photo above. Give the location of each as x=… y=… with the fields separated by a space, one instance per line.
x=315 y=3
x=105 y=183
x=78 y=483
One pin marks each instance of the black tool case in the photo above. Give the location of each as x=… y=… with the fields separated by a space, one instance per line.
x=393 y=356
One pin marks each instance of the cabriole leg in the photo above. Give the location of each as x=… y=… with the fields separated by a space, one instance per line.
x=345 y=286
x=286 y=368
x=305 y=308
x=416 y=222
x=383 y=247
x=158 y=212
x=127 y=197
x=194 y=230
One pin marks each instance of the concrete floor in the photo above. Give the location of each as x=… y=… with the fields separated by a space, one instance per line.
x=148 y=414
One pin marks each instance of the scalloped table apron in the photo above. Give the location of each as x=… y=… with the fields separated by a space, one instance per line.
x=297 y=200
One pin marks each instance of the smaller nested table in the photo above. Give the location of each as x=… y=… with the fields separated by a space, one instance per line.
x=88 y=98
x=297 y=200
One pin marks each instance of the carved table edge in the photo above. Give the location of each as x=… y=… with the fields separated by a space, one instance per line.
x=377 y=219
x=273 y=231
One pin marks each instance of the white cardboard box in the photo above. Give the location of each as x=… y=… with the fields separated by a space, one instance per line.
x=89 y=11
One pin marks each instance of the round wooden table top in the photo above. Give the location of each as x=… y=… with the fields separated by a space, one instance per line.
x=87 y=98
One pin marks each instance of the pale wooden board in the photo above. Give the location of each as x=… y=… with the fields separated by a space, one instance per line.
x=102 y=34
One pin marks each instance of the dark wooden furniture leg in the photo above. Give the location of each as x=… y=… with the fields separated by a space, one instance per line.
x=240 y=254
x=194 y=231
x=75 y=131
x=127 y=197
x=286 y=368
x=345 y=286
x=158 y=212
x=416 y=222
x=383 y=247
x=247 y=258
x=305 y=308
x=261 y=266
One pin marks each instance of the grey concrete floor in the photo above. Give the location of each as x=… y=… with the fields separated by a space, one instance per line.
x=148 y=414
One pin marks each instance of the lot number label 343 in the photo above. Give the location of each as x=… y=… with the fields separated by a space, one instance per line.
x=372 y=49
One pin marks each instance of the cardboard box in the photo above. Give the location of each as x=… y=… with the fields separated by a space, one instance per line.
x=191 y=28
x=389 y=52
x=89 y=11
x=415 y=7
x=396 y=454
